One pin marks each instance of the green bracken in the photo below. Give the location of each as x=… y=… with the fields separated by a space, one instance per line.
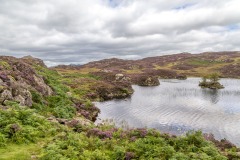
x=152 y=146
x=22 y=125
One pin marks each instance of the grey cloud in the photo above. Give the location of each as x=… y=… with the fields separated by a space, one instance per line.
x=64 y=32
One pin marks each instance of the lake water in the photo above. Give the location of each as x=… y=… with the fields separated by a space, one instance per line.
x=177 y=106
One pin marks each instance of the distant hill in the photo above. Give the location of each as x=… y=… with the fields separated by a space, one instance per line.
x=226 y=63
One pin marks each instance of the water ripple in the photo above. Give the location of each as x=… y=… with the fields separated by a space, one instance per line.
x=178 y=106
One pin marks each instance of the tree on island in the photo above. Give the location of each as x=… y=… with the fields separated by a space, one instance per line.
x=211 y=81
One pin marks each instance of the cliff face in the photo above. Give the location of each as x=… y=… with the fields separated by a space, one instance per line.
x=18 y=78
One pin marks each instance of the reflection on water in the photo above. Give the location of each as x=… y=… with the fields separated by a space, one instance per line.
x=178 y=106
x=212 y=95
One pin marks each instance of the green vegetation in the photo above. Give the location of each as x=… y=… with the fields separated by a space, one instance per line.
x=52 y=78
x=211 y=81
x=20 y=151
x=80 y=84
x=72 y=75
x=202 y=62
x=130 y=144
x=36 y=133
x=22 y=125
x=59 y=104
x=5 y=65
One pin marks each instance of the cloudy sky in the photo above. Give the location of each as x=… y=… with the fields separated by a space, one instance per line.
x=79 y=31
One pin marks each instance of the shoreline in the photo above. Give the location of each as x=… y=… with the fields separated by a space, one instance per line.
x=195 y=78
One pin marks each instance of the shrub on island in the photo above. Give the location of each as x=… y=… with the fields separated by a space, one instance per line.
x=211 y=81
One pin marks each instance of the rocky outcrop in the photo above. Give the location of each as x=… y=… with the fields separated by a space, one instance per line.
x=33 y=61
x=18 y=78
x=181 y=77
x=122 y=78
x=88 y=112
x=119 y=76
x=148 y=81
x=15 y=91
x=115 y=90
x=42 y=86
x=112 y=85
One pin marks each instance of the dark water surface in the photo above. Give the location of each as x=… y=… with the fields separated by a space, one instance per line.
x=177 y=106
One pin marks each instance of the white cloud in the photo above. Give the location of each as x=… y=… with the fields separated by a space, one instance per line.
x=74 y=31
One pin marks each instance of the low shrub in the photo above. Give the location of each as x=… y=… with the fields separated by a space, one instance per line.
x=22 y=125
x=112 y=143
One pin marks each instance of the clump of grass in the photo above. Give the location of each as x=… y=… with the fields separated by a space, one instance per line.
x=5 y=65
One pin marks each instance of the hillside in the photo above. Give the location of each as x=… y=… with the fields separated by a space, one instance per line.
x=48 y=113
x=170 y=66
x=112 y=78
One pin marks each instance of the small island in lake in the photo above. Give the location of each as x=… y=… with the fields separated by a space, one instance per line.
x=211 y=81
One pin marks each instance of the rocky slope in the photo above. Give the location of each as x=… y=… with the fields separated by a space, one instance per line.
x=21 y=81
x=18 y=79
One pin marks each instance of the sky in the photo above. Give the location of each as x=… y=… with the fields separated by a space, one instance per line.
x=79 y=31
